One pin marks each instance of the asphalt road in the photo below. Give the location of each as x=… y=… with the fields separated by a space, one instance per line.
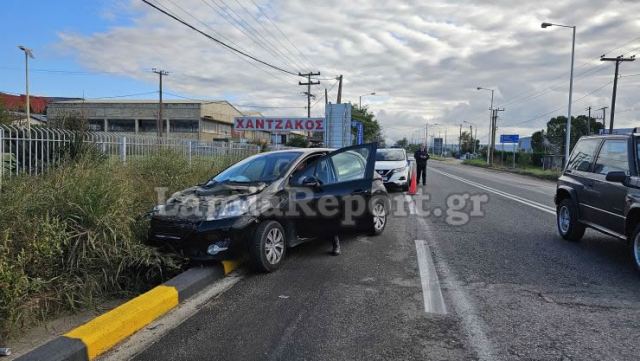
x=511 y=288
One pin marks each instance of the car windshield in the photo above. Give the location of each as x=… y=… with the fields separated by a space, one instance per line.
x=260 y=168
x=390 y=155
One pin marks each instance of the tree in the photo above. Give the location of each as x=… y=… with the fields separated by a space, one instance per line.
x=372 y=130
x=6 y=118
x=402 y=143
x=73 y=121
x=556 y=131
x=298 y=142
x=537 y=141
x=466 y=142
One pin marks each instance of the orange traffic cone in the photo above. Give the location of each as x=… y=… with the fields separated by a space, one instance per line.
x=413 y=186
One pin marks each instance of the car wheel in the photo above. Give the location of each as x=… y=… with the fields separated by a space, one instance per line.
x=567 y=219
x=405 y=187
x=635 y=247
x=379 y=212
x=267 y=248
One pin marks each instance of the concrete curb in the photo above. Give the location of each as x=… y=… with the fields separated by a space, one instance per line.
x=97 y=336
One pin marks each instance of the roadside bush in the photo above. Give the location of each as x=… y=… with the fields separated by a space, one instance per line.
x=74 y=236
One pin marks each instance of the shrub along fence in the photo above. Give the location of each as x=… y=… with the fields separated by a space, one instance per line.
x=72 y=225
x=24 y=152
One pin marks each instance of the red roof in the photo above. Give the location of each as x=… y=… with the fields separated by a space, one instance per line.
x=37 y=104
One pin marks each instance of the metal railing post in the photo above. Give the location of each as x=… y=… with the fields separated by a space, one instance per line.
x=190 y=148
x=123 y=149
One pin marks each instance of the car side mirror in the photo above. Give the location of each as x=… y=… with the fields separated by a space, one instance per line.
x=310 y=182
x=617 y=176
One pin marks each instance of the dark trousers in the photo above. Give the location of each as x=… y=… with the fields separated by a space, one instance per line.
x=422 y=173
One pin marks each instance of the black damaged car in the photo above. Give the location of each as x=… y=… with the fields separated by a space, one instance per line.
x=272 y=201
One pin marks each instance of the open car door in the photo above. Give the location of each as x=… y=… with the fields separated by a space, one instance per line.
x=334 y=190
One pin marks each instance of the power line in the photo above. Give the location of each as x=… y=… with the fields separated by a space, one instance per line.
x=283 y=34
x=560 y=108
x=243 y=53
x=596 y=69
x=225 y=38
x=296 y=61
x=237 y=22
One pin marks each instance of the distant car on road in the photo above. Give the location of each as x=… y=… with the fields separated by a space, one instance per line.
x=394 y=167
x=600 y=189
x=269 y=202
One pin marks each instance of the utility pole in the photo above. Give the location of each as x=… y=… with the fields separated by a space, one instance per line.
x=473 y=141
x=589 y=121
x=618 y=60
x=604 y=118
x=160 y=124
x=309 y=83
x=326 y=99
x=460 y=142
x=339 y=90
x=494 y=121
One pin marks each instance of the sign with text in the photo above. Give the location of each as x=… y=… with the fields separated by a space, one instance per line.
x=509 y=138
x=279 y=124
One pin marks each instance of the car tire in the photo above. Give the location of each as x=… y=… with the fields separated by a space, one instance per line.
x=379 y=212
x=405 y=187
x=567 y=221
x=267 y=247
x=635 y=247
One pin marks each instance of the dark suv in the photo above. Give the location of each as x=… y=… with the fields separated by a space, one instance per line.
x=600 y=189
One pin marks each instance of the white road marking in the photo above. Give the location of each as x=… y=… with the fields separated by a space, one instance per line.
x=472 y=324
x=513 y=197
x=431 y=292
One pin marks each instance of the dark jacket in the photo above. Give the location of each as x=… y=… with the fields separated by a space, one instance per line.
x=421 y=157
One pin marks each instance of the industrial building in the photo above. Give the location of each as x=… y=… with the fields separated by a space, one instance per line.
x=182 y=118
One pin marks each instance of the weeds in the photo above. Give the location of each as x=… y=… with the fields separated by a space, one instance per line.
x=75 y=235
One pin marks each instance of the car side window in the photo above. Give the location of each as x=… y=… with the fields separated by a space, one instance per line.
x=349 y=165
x=582 y=155
x=613 y=156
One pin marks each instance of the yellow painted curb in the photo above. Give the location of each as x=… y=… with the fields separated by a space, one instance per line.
x=105 y=331
x=229 y=266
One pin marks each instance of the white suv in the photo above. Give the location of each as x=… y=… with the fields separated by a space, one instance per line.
x=394 y=167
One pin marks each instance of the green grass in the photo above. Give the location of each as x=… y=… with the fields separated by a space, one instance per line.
x=74 y=236
x=528 y=171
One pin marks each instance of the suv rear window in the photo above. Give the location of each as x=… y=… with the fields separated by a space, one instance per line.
x=582 y=155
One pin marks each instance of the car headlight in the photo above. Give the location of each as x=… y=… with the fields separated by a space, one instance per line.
x=398 y=170
x=234 y=208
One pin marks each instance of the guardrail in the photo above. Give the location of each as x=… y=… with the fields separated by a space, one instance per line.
x=34 y=152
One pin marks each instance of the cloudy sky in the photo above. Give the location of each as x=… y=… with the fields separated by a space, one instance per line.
x=424 y=59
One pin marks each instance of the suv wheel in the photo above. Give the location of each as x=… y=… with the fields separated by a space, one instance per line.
x=567 y=219
x=635 y=247
x=379 y=211
x=267 y=248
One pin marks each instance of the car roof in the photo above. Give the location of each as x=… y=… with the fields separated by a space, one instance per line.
x=608 y=136
x=302 y=150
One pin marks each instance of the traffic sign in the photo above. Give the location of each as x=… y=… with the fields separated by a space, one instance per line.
x=509 y=138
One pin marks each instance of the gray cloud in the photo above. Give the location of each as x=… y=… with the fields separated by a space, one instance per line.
x=424 y=59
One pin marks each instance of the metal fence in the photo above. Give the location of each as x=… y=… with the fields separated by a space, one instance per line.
x=33 y=153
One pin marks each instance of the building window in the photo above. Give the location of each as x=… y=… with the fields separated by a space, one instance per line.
x=122 y=125
x=147 y=125
x=183 y=126
x=96 y=125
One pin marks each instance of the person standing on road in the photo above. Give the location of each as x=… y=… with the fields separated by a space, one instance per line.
x=421 y=157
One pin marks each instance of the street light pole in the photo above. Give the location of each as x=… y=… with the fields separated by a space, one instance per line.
x=28 y=53
x=490 y=141
x=364 y=95
x=567 y=143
